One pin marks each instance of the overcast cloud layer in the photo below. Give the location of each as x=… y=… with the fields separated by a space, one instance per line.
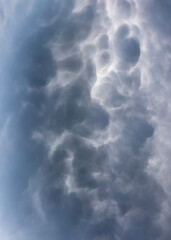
x=85 y=120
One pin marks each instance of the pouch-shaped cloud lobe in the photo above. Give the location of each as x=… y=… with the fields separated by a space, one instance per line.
x=81 y=123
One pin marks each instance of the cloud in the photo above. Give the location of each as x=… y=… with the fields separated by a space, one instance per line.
x=103 y=42
x=124 y=8
x=127 y=49
x=158 y=14
x=86 y=122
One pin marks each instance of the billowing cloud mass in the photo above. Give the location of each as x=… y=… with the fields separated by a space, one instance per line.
x=85 y=120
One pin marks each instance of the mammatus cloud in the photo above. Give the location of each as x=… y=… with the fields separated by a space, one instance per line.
x=85 y=120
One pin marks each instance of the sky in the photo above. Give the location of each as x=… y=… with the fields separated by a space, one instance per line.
x=85 y=119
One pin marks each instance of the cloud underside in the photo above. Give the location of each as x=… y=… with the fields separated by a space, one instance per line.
x=82 y=122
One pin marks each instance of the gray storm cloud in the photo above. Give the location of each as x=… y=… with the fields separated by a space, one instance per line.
x=85 y=120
